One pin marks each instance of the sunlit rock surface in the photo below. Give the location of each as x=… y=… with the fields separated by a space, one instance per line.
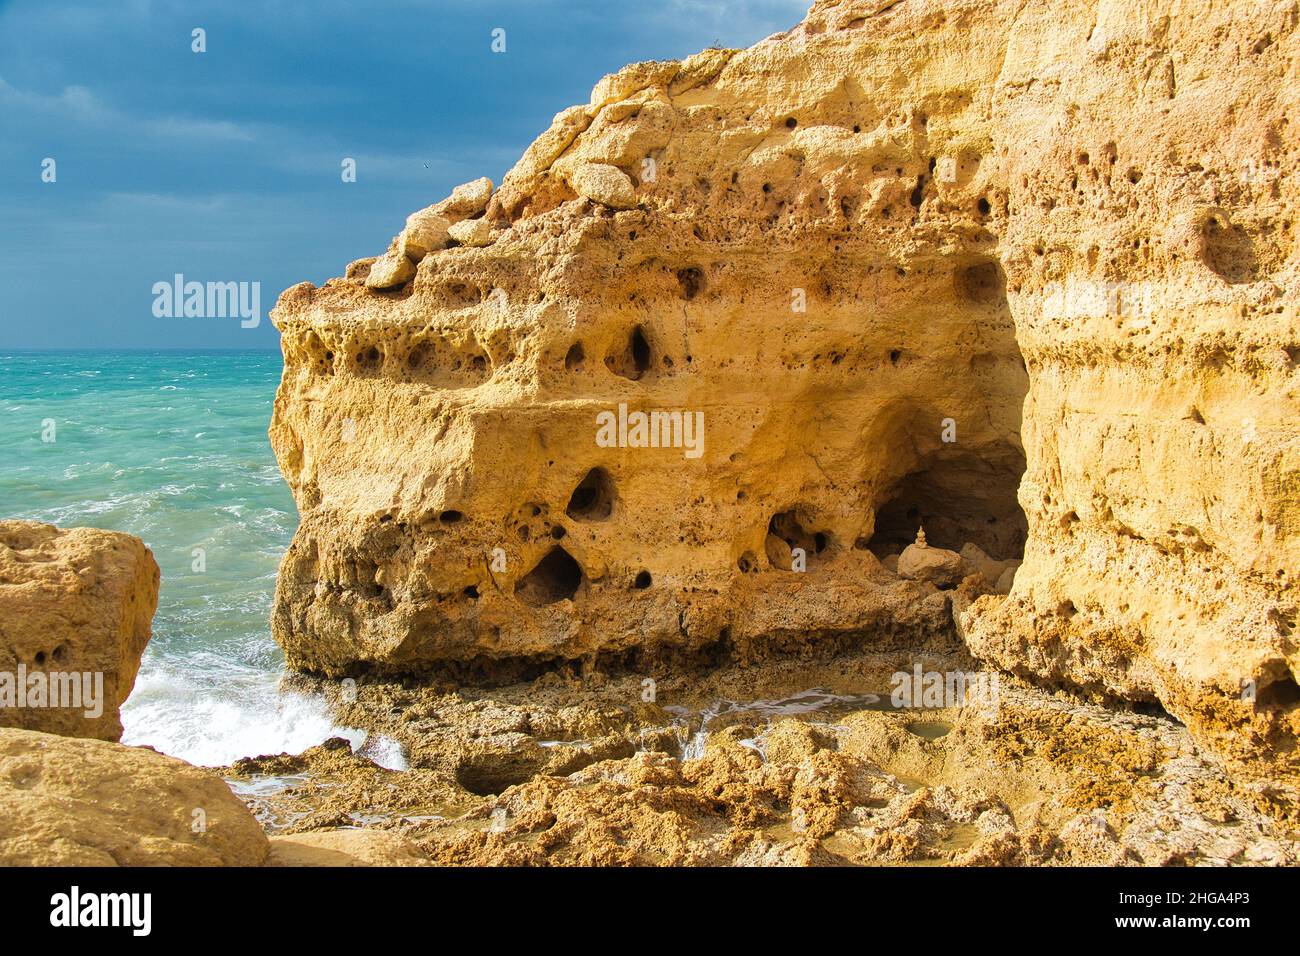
x=1018 y=272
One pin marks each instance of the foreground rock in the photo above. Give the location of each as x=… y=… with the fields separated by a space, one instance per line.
x=76 y=611
x=1023 y=273
x=345 y=848
x=780 y=763
x=80 y=802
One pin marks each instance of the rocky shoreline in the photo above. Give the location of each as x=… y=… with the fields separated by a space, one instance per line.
x=573 y=770
x=812 y=755
x=924 y=339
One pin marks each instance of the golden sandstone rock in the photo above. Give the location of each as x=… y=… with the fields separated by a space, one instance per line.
x=920 y=562
x=391 y=270
x=344 y=848
x=471 y=232
x=1022 y=272
x=425 y=232
x=78 y=802
x=603 y=183
x=466 y=200
x=76 y=611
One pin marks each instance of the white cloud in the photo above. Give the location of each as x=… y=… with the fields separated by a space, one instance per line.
x=77 y=104
x=735 y=22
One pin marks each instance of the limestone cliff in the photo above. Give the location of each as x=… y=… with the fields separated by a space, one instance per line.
x=1018 y=271
x=76 y=612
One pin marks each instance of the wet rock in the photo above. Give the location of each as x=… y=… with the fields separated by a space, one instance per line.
x=572 y=772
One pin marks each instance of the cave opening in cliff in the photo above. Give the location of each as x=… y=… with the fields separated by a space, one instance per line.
x=961 y=499
x=556 y=577
x=957 y=457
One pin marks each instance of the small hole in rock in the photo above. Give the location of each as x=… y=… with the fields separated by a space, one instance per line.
x=918 y=194
x=982 y=283
x=556 y=577
x=634 y=360
x=1283 y=692
x=593 y=499
x=691 y=280
x=491 y=774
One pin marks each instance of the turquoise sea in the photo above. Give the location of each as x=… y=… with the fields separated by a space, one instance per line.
x=172 y=447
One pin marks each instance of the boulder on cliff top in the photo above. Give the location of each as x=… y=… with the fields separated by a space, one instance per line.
x=472 y=232
x=466 y=200
x=68 y=801
x=605 y=184
x=425 y=232
x=389 y=271
x=76 y=611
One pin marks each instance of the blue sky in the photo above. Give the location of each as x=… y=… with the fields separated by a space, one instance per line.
x=225 y=165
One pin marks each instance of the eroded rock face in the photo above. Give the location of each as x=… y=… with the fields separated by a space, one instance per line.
x=80 y=802
x=76 y=607
x=1018 y=272
x=729 y=767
